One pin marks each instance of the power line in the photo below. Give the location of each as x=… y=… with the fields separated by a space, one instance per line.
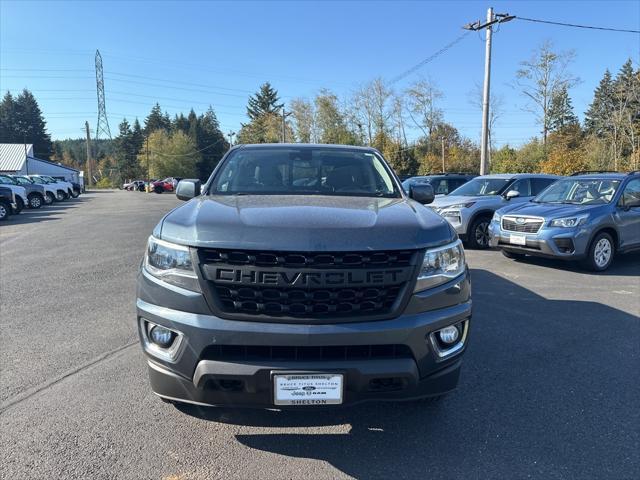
x=577 y=26
x=429 y=59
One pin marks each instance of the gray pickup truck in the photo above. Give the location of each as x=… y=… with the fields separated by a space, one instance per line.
x=302 y=275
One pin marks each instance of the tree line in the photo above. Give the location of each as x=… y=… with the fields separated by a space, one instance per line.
x=376 y=114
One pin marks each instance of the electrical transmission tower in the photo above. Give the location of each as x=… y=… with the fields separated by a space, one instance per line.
x=103 y=123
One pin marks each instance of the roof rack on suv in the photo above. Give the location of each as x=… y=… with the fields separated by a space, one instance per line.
x=586 y=172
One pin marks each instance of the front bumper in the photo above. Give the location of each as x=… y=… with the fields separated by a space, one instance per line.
x=562 y=243
x=195 y=377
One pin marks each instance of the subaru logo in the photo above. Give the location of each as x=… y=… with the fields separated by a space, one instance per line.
x=520 y=220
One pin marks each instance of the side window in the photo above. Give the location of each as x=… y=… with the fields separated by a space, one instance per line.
x=523 y=186
x=441 y=187
x=539 y=184
x=631 y=194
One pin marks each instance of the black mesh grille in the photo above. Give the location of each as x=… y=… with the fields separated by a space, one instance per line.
x=531 y=226
x=315 y=260
x=309 y=300
x=259 y=353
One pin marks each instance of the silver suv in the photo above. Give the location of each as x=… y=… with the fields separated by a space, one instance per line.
x=469 y=208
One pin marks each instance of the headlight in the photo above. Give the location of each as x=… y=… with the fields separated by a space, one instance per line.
x=497 y=217
x=441 y=265
x=569 y=222
x=461 y=205
x=171 y=263
x=450 y=213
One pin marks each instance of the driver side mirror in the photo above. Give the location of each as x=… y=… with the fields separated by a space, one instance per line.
x=512 y=194
x=422 y=193
x=188 y=189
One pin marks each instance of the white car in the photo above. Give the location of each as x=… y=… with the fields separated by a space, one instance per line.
x=64 y=189
x=50 y=189
x=20 y=193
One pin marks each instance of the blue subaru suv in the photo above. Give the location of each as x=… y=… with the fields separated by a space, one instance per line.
x=589 y=216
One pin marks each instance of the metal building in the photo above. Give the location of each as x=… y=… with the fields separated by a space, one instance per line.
x=13 y=160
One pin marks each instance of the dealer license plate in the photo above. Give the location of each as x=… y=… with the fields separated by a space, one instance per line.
x=518 y=239
x=308 y=389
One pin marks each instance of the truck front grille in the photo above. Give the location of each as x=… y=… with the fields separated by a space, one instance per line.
x=301 y=285
x=258 y=353
x=522 y=224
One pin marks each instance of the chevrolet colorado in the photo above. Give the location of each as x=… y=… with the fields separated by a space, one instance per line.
x=302 y=275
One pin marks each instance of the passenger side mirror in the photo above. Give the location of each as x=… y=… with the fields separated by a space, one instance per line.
x=422 y=193
x=512 y=194
x=188 y=189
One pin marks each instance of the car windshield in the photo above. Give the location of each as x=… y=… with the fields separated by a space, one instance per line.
x=590 y=191
x=414 y=181
x=23 y=180
x=482 y=186
x=7 y=180
x=38 y=180
x=304 y=171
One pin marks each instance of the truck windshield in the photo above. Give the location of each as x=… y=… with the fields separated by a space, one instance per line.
x=482 y=186
x=7 y=180
x=23 y=180
x=304 y=171
x=580 y=192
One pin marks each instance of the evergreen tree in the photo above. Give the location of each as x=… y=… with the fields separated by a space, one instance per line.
x=181 y=123
x=263 y=102
x=598 y=118
x=156 y=121
x=137 y=136
x=126 y=152
x=21 y=121
x=561 y=111
x=211 y=143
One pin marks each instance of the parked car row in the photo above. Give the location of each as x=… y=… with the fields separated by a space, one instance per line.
x=158 y=186
x=588 y=217
x=32 y=191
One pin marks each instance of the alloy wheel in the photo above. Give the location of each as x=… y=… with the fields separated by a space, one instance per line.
x=35 y=202
x=482 y=234
x=602 y=252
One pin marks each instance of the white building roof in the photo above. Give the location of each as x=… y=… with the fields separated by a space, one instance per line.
x=12 y=156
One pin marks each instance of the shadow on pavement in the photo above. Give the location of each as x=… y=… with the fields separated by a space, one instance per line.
x=44 y=213
x=548 y=389
x=623 y=265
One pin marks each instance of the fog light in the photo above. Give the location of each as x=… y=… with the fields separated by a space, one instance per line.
x=163 y=337
x=449 y=335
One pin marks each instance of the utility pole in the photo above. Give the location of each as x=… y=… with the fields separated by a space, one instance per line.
x=26 y=156
x=285 y=114
x=148 y=166
x=442 y=140
x=491 y=19
x=89 y=180
x=231 y=135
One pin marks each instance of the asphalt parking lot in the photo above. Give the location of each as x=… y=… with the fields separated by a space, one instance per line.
x=549 y=389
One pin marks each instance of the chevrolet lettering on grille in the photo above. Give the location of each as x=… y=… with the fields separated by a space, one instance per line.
x=308 y=278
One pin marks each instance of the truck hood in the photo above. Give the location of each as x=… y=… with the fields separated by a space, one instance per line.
x=547 y=210
x=304 y=223
x=448 y=200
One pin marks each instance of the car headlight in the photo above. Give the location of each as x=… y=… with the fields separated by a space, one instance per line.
x=461 y=205
x=450 y=213
x=441 y=265
x=569 y=222
x=496 y=217
x=171 y=263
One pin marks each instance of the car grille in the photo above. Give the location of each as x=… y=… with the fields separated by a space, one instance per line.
x=258 y=353
x=367 y=285
x=526 y=224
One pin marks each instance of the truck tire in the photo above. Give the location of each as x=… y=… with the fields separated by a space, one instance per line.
x=5 y=210
x=60 y=195
x=478 y=234
x=19 y=205
x=49 y=198
x=600 y=253
x=35 y=200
